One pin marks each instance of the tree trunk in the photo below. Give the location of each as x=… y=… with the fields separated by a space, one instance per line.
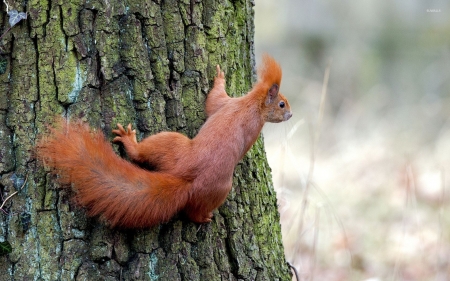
x=151 y=64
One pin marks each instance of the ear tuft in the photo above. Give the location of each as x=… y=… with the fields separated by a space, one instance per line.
x=272 y=93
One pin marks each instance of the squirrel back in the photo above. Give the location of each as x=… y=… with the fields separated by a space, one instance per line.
x=232 y=127
x=190 y=175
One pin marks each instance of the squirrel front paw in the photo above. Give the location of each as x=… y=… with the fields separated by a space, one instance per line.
x=123 y=135
x=220 y=76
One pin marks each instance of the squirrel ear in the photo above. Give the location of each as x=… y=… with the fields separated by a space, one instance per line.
x=272 y=94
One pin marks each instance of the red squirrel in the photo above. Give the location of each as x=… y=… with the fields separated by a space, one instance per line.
x=189 y=175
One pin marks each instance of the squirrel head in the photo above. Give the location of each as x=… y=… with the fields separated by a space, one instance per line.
x=277 y=108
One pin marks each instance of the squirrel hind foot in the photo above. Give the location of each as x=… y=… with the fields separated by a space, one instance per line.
x=201 y=218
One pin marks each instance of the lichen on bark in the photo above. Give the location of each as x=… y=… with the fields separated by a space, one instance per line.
x=149 y=63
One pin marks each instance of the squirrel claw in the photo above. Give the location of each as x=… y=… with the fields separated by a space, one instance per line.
x=120 y=131
x=117 y=139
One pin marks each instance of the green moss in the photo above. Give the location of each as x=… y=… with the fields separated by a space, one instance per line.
x=146 y=241
x=195 y=48
x=193 y=102
x=70 y=11
x=117 y=106
x=23 y=95
x=73 y=255
x=135 y=55
x=51 y=49
x=174 y=33
x=6 y=148
x=87 y=107
x=151 y=117
x=37 y=13
x=101 y=245
x=70 y=76
x=107 y=41
x=49 y=251
x=189 y=269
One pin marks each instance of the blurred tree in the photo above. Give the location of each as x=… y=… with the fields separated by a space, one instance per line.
x=149 y=63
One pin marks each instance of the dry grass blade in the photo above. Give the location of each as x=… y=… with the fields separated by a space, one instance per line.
x=14 y=193
x=314 y=139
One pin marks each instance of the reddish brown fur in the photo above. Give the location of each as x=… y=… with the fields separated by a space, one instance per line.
x=193 y=175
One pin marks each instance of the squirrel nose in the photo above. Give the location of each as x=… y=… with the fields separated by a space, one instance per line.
x=287 y=115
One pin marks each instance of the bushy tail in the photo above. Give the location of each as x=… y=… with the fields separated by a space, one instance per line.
x=107 y=185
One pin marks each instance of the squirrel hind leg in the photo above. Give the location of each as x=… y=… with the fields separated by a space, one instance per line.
x=161 y=151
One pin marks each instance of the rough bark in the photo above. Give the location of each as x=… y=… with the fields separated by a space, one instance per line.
x=149 y=63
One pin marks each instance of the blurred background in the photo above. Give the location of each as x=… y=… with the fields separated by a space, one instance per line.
x=362 y=170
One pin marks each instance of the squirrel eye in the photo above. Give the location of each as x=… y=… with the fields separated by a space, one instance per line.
x=281 y=104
